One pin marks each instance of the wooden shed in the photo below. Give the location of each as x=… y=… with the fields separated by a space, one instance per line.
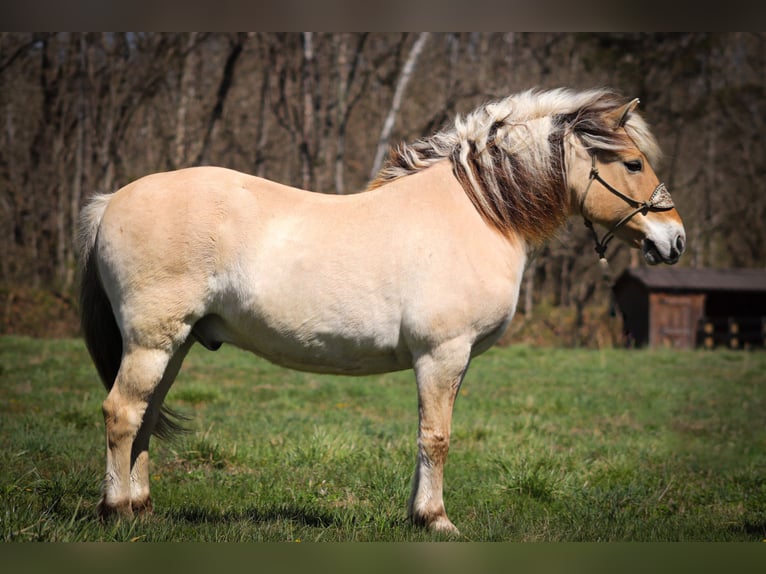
x=685 y=308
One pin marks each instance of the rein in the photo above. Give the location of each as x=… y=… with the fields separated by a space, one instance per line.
x=660 y=200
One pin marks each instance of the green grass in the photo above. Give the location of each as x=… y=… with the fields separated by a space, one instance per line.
x=548 y=445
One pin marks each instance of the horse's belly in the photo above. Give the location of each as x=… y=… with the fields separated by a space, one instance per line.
x=314 y=350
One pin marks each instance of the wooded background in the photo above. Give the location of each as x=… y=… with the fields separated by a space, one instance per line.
x=89 y=112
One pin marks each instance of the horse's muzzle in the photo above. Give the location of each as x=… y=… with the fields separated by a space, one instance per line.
x=653 y=255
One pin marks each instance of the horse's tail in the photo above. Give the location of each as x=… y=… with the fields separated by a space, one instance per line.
x=99 y=325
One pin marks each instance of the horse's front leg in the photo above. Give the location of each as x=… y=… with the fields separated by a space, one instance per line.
x=439 y=374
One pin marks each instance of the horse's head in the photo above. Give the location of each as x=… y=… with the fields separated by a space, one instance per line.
x=616 y=187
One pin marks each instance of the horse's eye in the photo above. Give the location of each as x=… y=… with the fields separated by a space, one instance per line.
x=634 y=166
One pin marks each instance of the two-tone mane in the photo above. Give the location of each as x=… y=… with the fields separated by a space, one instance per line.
x=509 y=155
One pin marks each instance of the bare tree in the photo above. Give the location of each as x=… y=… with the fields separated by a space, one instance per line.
x=401 y=86
x=348 y=69
x=186 y=92
x=236 y=45
x=292 y=100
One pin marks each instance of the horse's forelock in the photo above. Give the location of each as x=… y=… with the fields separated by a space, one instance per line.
x=639 y=132
x=594 y=124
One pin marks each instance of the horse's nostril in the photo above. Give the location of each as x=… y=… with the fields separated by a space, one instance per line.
x=680 y=244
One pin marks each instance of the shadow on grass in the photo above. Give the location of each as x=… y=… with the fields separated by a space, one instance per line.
x=284 y=513
x=338 y=525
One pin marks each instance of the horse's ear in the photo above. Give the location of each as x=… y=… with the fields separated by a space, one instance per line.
x=622 y=113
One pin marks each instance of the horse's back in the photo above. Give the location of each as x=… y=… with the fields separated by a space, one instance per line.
x=188 y=195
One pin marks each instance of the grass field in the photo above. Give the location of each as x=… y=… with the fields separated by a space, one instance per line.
x=548 y=445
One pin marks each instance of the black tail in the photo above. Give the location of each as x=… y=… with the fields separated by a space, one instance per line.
x=99 y=326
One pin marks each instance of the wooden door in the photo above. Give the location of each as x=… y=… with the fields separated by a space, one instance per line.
x=673 y=319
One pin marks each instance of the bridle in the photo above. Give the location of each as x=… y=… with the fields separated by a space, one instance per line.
x=660 y=200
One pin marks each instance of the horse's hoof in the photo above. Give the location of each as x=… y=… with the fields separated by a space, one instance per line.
x=143 y=508
x=443 y=525
x=435 y=523
x=108 y=511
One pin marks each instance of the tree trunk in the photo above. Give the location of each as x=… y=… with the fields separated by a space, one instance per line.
x=235 y=51
x=307 y=132
x=347 y=74
x=262 y=126
x=186 y=94
x=401 y=86
x=529 y=289
x=343 y=76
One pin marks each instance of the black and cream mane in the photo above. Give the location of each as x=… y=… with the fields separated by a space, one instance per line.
x=509 y=154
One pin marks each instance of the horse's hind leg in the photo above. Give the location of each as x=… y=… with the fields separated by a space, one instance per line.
x=439 y=374
x=141 y=371
x=140 y=498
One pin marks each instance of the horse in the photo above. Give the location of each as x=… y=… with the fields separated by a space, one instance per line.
x=419 y=271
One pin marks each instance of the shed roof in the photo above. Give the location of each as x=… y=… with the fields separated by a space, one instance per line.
x=697 y=279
